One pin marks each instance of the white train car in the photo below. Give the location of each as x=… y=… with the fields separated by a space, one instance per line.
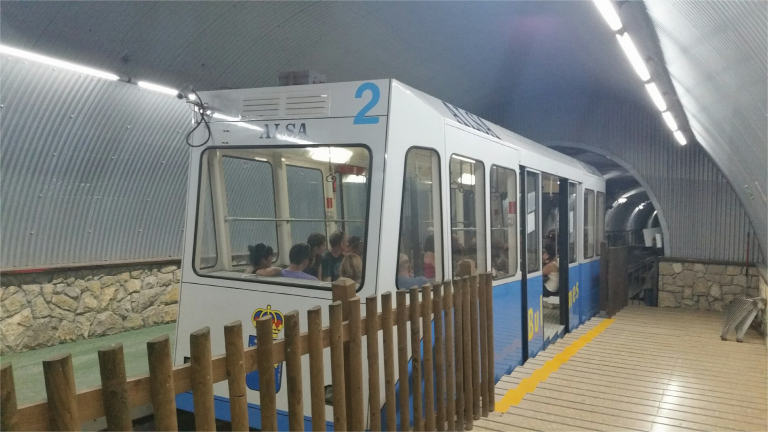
x=415 y=185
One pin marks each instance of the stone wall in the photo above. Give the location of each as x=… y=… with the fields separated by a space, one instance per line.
x=47 y=308
x=704 y=286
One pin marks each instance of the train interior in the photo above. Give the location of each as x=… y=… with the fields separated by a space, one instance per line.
x=256 y=205
x=550 y=223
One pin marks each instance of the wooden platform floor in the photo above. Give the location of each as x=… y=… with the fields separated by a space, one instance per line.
x=651 y=369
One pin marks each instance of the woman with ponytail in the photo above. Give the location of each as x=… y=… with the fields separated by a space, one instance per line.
x=261 y=261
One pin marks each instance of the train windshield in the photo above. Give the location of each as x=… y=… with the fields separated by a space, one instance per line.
x=290 y=216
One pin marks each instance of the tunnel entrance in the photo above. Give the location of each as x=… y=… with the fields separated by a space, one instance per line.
x=631 y=221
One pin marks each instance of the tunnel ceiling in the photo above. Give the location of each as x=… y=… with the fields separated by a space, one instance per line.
x=709 y=57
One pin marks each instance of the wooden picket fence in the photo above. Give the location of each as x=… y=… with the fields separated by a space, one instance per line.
x=459 y=369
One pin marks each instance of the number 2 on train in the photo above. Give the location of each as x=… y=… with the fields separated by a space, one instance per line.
x=375 y=95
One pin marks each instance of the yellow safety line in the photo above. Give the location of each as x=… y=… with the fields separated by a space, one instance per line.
x=529 y=384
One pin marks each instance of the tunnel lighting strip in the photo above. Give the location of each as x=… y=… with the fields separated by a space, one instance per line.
x=608 y=10
x=157 y=88
x=5 y=49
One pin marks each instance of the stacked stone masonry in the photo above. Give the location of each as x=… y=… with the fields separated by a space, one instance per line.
x=704 y=286
x=48 y=308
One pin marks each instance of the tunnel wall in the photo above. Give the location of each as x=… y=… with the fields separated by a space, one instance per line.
x=704 y=216
x=93 y=170
x=63 y=305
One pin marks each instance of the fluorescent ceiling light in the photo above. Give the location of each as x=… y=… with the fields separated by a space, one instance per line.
x=334 y=154
x=236 y=121
x=609 y=13
x=353 y=178
x=157 y=88
x=634 y=57
x=622 y=200
x=680 y=138
x=463 y=158
x=670 y=120
x=467 y=179
x=58 y=63
x=656 y=96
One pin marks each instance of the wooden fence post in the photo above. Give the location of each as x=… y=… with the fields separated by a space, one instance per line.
x=491 y=352
x=418 y=412
x=265 y=358
x=469 y=407
x=7 y=399
x=372 y=340
x=62 y=395
x=114 y=388
x=402 y=357
x=202 y=380
x=356 y=366
x=337 y=358
x=238 y=399
x=343 y=290
x=475 y=326
x=458 y=301
x=482 y=289
x=450 y=371
x=316 y=369
x=439 y=355
x=293 y=371
x=161 y=383
x=429 y=377
x=389 y=361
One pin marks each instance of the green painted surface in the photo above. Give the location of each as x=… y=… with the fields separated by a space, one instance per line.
x=28 y=366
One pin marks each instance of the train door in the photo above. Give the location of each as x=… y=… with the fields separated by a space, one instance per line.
x=569 y=253
x=531 y=263
x=553 y=272
x=482 y=181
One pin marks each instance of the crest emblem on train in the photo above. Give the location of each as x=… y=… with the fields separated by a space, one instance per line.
x=278 y=322
x=278 y=319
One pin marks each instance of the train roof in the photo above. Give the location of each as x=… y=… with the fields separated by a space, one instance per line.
x=505 y=135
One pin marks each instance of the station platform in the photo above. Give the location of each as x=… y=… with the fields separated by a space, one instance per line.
x=647 y=369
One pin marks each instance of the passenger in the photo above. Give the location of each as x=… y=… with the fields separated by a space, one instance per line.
x=405 y=278
x=429 y=257
x=260 y=257
x=332 y=258
x=551 y=270
x=299 y=257
x=316 y=242
x=352 y=267
x=355 y=246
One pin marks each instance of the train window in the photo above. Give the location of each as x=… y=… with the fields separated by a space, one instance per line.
x=306 y=202
x=467 y=178
x=600 y=221
x=589 y=223
x=572 y=221
x=241 y=177
x=550 y=211
x=533 y=253
x=208 y=256
x=503 y=186
x=420 y=252
x=270 y=204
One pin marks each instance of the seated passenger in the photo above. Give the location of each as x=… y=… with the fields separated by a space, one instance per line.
x=316 y=242
x=332 y=257
x=551 y=270
x=352 y=267
x=299 y=257
x=355 y=246
x=429 y=257
x=260 y=257
x=405 y=278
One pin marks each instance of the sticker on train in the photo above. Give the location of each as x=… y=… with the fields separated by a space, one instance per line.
x=278 y=322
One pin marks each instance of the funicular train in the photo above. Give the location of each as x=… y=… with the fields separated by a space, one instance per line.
x=287 y=184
